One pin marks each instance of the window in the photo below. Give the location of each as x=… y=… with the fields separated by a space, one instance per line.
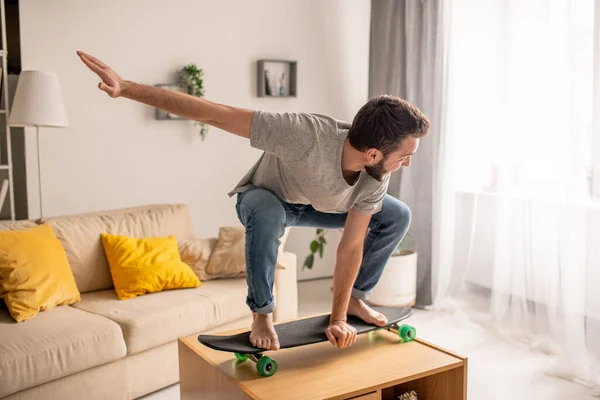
x=520 y=85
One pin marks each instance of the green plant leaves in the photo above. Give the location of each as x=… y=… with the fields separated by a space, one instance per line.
x=308 y=263
x=193 y=78
x=314 y=246
x=317 y=245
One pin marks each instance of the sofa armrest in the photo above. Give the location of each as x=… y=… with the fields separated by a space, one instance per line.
x=286 y=288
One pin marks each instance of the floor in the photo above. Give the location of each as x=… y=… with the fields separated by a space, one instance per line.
x=498 y=368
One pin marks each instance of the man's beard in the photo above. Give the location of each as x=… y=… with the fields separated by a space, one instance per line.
x=377 y=171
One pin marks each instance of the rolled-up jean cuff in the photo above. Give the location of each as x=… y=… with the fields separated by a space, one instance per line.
x=359 y=294
x=268 y=309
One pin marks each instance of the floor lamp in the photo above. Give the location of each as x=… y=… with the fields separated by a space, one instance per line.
x=38 y=102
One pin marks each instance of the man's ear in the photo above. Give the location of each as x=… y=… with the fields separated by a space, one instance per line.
x=373 y=156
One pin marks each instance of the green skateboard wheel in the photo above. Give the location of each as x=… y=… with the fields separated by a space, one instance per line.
x=241 y=357
x=407 y=333
x=266 y=366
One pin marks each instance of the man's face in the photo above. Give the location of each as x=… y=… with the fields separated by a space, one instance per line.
x=394 y=160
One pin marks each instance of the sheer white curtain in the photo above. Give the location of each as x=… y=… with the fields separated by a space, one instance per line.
x=514 y=212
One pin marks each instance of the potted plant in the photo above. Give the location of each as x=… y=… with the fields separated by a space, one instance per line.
x=397 y=286
x=193 y=78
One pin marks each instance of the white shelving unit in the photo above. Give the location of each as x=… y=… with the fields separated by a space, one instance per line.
x=8 y=163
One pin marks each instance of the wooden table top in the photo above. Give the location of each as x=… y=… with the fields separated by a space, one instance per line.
x=375 y=360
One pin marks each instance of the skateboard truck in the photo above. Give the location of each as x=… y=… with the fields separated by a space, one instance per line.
x=406 y=332
x=266 y=366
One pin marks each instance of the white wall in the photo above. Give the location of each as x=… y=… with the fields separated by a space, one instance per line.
x=115 y=154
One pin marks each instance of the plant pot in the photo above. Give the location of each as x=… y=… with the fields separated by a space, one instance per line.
x=398 y=284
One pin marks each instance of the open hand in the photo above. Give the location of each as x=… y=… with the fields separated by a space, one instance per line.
x=341 y=334
x=111 y=83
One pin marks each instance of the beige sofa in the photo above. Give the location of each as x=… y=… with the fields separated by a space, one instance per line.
x=105 y=348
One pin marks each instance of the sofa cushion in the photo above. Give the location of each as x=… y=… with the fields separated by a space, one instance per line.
x=80 y=236
x=34 y=272
x=54 y=344
x=13 y=226
x=228 y=257
x=16 y=225
x=196 y=253
x=146 y=265
x=157 y=318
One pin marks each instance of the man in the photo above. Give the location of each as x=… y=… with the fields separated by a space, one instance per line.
x=315 y=171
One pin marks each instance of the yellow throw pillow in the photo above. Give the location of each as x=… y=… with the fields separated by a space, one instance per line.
x=146 y=265
x=228 y=258
x=34 y=272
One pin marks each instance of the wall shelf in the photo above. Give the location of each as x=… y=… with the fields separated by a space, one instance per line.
x=276 y=78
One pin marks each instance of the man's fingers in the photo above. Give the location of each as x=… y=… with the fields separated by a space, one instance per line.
x=100 y=71
x=330 y=337
x=93 y=59
x=351 y=336
x=344 y=339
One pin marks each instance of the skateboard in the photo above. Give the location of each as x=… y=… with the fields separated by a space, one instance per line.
x=304 y=332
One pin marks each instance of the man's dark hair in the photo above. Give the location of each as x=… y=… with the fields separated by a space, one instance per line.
x=384 y=122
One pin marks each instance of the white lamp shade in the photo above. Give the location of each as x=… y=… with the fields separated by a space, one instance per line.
x=38 y=101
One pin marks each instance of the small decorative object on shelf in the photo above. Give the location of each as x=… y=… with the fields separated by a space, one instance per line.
x=193 y=78
x=412 y=395
x=276 y=78
x=281 y=85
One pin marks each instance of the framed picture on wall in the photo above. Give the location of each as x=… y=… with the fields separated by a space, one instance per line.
x=162 y=115
x=277 y=78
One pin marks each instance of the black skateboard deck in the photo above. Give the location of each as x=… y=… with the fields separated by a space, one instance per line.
x=304 y=332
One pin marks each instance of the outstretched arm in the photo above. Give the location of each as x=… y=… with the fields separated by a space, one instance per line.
x=231 y=119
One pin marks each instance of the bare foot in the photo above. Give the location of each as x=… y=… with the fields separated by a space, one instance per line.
x=359 y=309
x=263 y=334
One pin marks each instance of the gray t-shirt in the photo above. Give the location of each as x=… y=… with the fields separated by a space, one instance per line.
x=302 y=164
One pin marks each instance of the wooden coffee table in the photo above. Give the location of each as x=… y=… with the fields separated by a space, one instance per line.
x=376 y=366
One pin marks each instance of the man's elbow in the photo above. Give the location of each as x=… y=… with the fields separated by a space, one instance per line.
x=233 y=120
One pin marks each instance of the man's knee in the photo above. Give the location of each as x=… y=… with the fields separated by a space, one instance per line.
x=262 y=207
x=396 y=214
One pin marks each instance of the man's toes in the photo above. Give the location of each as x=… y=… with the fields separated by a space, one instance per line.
x=275 y=345
x=267 y=343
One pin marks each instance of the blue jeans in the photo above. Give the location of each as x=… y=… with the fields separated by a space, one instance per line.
x=265 y=217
